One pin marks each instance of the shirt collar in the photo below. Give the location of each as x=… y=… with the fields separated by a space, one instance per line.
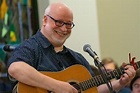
x=46 y=43
x=43 y=40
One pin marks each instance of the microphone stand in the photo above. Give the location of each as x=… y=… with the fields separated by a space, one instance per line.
x=107 y=81
x=99 y=64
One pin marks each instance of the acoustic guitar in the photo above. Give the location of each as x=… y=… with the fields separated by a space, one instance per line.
x=78 y=76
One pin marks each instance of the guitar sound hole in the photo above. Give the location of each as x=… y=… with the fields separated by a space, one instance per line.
x=74 y=84
x=50 y=92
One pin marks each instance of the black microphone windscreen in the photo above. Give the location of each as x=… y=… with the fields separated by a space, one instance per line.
x=8 y=48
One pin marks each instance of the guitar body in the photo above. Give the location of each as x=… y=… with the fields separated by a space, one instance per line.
x=74 y=74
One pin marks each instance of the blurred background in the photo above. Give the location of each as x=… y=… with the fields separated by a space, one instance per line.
x=111 y=27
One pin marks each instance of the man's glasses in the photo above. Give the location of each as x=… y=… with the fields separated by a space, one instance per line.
x=60 y=23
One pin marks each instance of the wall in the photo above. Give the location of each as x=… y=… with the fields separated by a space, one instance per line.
x=119 y=28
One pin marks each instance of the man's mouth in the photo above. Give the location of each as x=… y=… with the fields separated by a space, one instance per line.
x=60 y=33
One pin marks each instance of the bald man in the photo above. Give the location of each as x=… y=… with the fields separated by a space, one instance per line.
x=45 y=51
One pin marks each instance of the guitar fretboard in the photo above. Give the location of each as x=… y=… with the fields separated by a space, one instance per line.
x=98 y=80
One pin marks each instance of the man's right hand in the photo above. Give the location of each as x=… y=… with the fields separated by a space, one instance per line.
x=63 y=87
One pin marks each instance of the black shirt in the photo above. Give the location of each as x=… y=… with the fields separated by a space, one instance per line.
x=38 y=52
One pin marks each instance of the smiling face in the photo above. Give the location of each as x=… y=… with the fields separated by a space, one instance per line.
x=55 y=34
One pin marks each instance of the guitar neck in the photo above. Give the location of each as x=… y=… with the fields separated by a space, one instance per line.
x=98 y=80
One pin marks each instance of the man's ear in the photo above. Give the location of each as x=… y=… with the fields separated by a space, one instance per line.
x=44 y=20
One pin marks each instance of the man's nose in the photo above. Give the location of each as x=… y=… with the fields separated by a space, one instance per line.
x=64 y=28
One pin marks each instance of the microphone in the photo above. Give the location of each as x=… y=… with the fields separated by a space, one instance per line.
x=98 y=63
x=87 y=48
x=8 y=48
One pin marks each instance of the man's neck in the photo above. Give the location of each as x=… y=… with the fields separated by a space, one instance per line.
x=58 y=49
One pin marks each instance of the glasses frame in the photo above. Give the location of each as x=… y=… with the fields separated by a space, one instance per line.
x=61 y=23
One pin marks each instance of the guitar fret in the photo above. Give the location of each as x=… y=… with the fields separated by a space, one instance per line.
x=109 y=75
x=102 y=81
x=89 y=84
x=81 y=86
x=121 y=70
x=98 y=77
x=113 y=72
x=85 y=83
x=98 y=81
x=93 y=83
x=117 y=74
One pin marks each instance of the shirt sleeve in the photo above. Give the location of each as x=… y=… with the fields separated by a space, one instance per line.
x=24 y=52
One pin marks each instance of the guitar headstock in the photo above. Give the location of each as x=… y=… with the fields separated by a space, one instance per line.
x=136 y=65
